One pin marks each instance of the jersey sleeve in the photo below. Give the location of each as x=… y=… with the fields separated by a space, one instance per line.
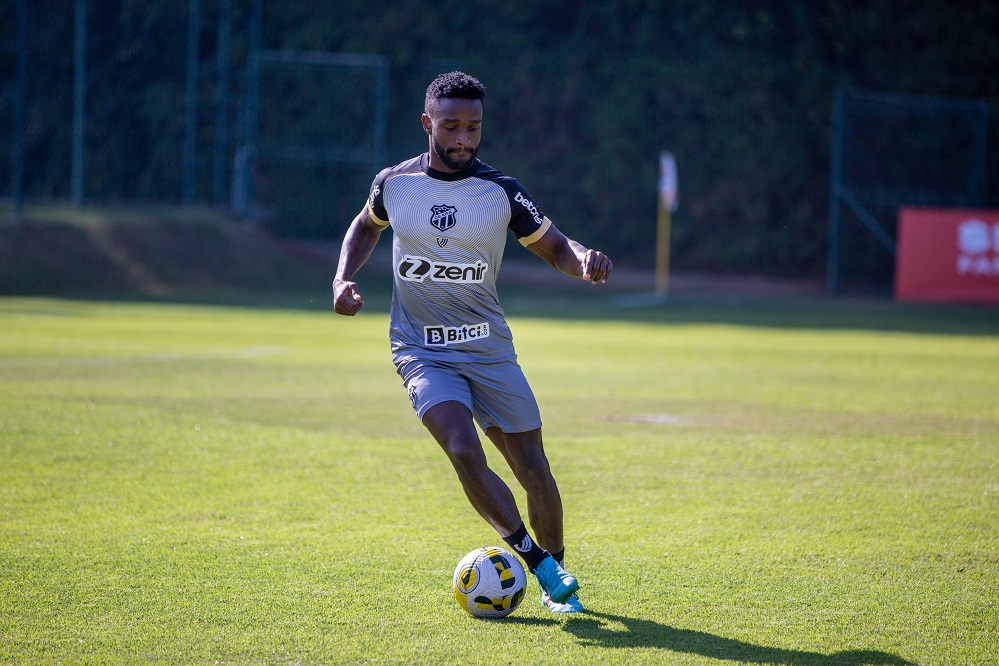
x=525 y=217
x=376 y=202
x=527 y=222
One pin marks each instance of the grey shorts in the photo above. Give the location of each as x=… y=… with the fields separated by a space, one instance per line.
x=497 y=394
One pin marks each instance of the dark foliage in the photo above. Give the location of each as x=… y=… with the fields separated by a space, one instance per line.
x=582 y=96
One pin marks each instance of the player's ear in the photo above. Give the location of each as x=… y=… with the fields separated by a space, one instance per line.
x=427 y=123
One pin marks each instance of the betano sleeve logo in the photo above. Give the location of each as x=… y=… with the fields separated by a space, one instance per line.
x=529 y=205
x=417 y=269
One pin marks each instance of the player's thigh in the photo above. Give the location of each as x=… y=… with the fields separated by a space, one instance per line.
x=502 y=397
x=450 y=423
x=430 y=383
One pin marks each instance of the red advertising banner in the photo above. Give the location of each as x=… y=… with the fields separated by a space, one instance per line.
x=947 y=255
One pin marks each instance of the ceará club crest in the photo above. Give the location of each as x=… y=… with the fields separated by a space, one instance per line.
x=442 y=217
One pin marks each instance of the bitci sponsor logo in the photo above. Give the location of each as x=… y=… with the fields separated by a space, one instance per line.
x=978 y=248
x=442 y=336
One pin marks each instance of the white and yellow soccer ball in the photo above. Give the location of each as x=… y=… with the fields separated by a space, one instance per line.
x=489 y=582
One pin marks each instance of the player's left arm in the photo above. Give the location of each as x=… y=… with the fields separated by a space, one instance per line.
x=571 y=257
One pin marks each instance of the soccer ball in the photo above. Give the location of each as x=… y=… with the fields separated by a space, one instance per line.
x=489 y=582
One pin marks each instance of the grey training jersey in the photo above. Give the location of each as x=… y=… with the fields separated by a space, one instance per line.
x=449 y=234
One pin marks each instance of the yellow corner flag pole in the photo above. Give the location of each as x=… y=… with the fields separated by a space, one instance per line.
x=662 y=250
x=667 y=204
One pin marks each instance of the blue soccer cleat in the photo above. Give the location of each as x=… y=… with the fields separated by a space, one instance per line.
x=558 y=583
x=571 y=605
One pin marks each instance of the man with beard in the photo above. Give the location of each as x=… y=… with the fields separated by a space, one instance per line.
x=450 y=342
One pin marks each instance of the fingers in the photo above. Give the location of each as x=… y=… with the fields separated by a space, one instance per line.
x=346 y=299
x=597 y=266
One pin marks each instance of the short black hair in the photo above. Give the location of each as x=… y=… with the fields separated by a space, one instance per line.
x=453 y=85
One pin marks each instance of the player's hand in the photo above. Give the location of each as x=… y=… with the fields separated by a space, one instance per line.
x=596 y=266
x=346 y=299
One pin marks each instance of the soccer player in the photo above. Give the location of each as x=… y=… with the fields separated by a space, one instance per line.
x=450 y=342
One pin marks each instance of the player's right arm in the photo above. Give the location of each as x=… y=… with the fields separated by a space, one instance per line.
x=359 y=241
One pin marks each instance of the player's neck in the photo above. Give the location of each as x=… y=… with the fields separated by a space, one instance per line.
x=436 y=167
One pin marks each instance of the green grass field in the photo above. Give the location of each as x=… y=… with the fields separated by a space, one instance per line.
x=795 y=483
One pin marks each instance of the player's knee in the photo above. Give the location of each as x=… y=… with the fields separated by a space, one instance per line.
x=536 y=478
x=466 y=456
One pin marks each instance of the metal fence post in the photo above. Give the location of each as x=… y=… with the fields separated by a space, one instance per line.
x=191 y=101
x=222 y=59
x=17 y=174
x=247 y=203
x=835 y=187
x=380 y=129
x=79 y=98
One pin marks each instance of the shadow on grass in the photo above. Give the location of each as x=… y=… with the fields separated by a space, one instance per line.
x=591 y=628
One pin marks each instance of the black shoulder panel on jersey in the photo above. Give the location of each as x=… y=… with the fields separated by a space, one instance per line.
x=525 y=217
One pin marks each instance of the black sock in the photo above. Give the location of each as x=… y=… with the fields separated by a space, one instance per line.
x=524 y=545
x=560 y=557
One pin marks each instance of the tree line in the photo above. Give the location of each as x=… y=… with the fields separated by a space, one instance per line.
x=581 y=99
